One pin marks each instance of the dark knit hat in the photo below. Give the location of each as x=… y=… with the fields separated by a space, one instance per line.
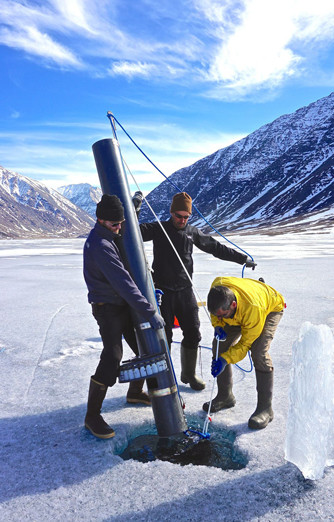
x=181 y=201
x=110 y=208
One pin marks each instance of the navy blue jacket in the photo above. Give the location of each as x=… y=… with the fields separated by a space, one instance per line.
x=167 y=271
x=106 y=278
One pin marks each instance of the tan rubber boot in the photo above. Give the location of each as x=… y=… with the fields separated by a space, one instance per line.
x=136 y=395
x=188 y=368
x=264 y=412
x=224 y=398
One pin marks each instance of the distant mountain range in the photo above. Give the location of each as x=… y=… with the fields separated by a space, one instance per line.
x=276 y=175
x=279 y=178
x=29 y=209
x=83 y=196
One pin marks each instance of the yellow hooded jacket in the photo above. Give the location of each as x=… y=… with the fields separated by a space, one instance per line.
x=255 y=301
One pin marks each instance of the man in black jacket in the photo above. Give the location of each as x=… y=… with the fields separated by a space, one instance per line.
x=112 y=293
x=169 y=276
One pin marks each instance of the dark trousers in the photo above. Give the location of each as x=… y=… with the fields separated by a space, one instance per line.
x=183 y=305
x=114 y=322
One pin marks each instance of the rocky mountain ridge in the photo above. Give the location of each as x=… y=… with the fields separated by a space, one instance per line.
x=282 y=171
x=278 y=178
x=83 y=195
x=29 y=209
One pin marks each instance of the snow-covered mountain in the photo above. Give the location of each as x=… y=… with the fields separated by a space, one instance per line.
x=29 y=209
x=83 y=195
x=277 y=174
x=279 y=177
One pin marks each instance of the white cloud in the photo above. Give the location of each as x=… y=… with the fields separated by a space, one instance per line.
x=40 y=44
x=313 y=20
x=263 y=45
x=219 y=12
x=131 y=69
x=225 y=46
x=76 y=13
x=15 y=115
x=39 y=30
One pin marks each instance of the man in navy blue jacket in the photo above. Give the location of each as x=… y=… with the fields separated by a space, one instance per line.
x=112 y=293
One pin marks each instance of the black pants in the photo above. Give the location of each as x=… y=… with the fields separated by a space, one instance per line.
x=114 y=322
x=183 y=305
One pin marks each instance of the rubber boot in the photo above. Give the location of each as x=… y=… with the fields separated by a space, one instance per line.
x=263 y=413
x=188 y=368
x=136 y=395
x=94 y=422
x=224 y=398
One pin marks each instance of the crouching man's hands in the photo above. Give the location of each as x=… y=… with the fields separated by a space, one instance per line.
x=218 y=366
x=220 y=333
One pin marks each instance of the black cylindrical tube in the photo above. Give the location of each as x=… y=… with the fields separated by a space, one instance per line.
x=166 y=404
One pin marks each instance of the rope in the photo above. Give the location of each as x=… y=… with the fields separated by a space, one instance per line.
x=171 y=243
x=176 y=253
x=113 y=118
x=135 y=181
x=236 y=365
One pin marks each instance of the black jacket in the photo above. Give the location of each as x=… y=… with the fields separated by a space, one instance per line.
x=106 y=278
x=168 y=272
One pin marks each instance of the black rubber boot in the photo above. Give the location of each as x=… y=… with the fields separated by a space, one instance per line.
x=264 y=412
x=188 y=368
x=224 y=398
x=136 y=395
x=94 y=422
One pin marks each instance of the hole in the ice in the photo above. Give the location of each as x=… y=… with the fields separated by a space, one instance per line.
x=218 y=451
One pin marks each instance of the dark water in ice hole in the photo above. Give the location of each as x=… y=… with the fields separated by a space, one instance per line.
x=218 y=451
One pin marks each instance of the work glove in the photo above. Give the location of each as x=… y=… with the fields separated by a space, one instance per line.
x=157 y=321
x=250 y=263
x=158 y=296
x=220 y=334
x=218 y=366
x=137 y=200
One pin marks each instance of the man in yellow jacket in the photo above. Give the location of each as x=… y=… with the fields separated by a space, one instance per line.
x=245 y=314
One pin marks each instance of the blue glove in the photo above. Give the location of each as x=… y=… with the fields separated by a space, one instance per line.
x=218 y=366
x=157 y=321
x=158 y=296
x=220 y=333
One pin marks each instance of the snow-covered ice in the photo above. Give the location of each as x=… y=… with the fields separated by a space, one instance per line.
x=51 y=468
x=311 y=396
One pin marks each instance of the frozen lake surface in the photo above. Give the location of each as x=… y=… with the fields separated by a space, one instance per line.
x=52 y=468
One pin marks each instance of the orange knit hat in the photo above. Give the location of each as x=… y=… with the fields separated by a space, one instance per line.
x=181 y=201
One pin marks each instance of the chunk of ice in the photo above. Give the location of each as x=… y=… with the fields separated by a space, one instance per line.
x=310 y=426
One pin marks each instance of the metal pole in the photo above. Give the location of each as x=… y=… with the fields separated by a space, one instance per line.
x=166 y=404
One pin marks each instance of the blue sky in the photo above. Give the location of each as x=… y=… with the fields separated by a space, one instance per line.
x=184 y=77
